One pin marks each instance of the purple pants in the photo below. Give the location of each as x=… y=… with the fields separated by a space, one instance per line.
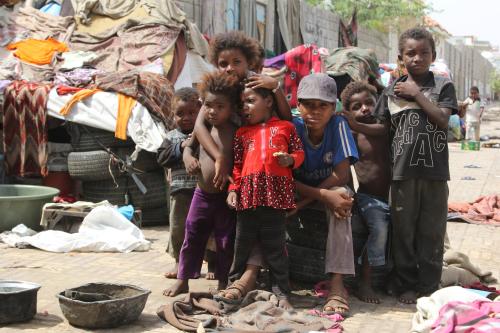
x=208 y=213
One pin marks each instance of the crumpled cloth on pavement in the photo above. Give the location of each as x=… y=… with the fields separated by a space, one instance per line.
x=152 y=90
x=104 y=229
x=459 y=270
x=477 y=316
x=360 y=64
x=428 y=307
x=484 y=210
x=258 y=312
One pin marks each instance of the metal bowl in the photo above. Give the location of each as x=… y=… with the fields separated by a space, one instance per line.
x=17 y=301
x=125 y=305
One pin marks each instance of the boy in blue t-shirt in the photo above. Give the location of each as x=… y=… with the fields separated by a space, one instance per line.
x=329 y=151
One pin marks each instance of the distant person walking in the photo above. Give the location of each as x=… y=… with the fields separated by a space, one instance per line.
x=473 y=108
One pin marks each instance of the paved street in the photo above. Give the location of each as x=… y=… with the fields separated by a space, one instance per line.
x=56 y=272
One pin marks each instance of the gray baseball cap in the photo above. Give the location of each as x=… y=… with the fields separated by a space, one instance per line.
x=317 y=86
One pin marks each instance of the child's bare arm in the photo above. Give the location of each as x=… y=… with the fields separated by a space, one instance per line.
x=191 y=163
x=334 y=200
x=376 y=129
x=411 y=91
x=203 y=135
x=268 y=82
x=222 y=164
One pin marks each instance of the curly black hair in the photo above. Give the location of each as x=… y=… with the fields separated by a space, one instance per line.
x=249 y=46
x=417 y=33
x=185 y=94
x=223 y=83
x=353 y=88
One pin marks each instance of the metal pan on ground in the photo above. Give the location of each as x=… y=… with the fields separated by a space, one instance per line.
x=17 y=301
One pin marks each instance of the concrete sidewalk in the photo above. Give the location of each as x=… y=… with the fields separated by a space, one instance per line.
x=56 y=272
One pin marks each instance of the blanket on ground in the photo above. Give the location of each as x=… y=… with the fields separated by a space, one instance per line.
x=484 y=210
x=25 y=128
x=258 y=312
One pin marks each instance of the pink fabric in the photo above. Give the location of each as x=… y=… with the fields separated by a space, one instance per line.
x=322 y=288
x=335 y=318
x=484 y=210
x=475 y=317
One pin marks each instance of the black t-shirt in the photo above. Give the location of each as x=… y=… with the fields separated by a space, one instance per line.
x=419 y=149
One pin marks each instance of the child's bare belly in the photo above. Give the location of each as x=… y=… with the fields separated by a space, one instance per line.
x=206 y=177
x=373 y=169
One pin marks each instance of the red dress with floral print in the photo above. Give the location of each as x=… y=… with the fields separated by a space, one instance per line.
x=258 y=178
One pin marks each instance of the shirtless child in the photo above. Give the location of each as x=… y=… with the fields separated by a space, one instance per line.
x=208 y=211
x=373 y=171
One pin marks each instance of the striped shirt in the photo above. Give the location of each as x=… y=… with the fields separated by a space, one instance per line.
x=320 y=160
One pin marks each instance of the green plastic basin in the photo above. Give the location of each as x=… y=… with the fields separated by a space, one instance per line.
x=23 y=204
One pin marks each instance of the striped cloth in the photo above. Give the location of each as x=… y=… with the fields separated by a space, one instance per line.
x=25 y=128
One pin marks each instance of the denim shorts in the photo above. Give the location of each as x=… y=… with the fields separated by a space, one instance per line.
x=370 y=228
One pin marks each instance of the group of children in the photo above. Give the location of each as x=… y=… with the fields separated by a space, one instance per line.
x=239 y=165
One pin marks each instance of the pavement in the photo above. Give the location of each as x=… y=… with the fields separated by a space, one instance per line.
x=56 y=272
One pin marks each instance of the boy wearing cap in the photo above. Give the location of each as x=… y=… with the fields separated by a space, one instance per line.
x=329 y=151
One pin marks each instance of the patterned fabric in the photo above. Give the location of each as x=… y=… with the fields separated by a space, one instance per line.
x=258 y=178
x=79 y=77
x=477 y=316
x=359 y=64
x=25 y=128
x=300 y=61
x=152 y=90
x=129 y=48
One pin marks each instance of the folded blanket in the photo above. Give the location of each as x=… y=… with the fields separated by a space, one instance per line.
x=484 y=210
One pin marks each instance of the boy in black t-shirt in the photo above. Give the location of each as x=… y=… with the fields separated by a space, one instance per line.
x=417 y=107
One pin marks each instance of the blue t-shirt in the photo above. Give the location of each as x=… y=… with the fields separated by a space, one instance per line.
x=337 y=145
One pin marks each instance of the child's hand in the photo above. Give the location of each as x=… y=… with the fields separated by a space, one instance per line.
x=407 y=90
x=232 y=199
x=284 y=159
x=187 y=142
x=262 y=81
x=338 y=201
x=221 y=177
x=192 y=165
x=349 y=116
x=342 y=214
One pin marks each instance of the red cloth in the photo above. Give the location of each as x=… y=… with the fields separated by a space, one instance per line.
x=300 y=61
x=485 y=210
x=25 y=128
x=64 y=90
x=258 y=178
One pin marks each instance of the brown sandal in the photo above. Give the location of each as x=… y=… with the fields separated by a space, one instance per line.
x=335 y=302
x=237 y=289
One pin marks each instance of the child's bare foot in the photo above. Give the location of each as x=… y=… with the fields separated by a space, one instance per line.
x=173 y=273
x=179 y=287
x=366 y=294
x=408 y=297
x=210 y=255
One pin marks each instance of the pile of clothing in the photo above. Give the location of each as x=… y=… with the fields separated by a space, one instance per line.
x=112 y=65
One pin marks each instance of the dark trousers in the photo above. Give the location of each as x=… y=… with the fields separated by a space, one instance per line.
x=419 y=211
x=208 y=213
x=264 y=226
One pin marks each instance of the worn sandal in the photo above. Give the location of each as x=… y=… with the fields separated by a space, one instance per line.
x=336 y=302
x=237 y=289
